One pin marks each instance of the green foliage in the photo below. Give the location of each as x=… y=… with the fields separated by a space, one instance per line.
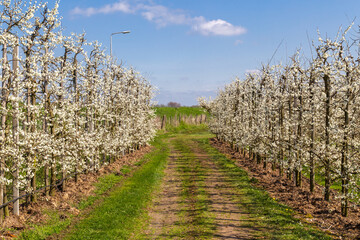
x=320 y=179
x=172 y=112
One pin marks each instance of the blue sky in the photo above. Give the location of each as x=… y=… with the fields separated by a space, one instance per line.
x=190 y=48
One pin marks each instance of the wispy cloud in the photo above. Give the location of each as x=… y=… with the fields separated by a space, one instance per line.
x=121 y=6
x=163 y=16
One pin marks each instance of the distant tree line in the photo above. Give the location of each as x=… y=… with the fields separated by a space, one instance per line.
x=174 y=105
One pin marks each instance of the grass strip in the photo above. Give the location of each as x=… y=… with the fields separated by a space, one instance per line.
x=184 y=128
x=274 y=220
x=60 y=221
x=117 y=217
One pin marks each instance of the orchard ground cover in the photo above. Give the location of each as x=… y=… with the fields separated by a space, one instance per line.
x=187 y=189
x=172 y=112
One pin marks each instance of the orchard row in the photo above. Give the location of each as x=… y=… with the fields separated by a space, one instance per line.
x=303 y=117
x=66 y=107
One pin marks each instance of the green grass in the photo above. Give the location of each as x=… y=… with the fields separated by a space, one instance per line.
x=172 y=112
x=320 y=178
x=118 y=216
x=184 y=128
x=102 y=186
x=56 y=223
x=335 y=185
x=272 y=219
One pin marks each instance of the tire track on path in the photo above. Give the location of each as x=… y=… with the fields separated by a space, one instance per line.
x=165 y=208
x=231 y=221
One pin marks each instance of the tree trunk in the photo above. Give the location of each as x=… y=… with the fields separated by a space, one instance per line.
x=46 y=178
x=33 y=186
x=312 y=137
x=16 y=131
x=281 y=157
x=4 y=96
x=344 y=162
x=258 y=158
x=45 y=123
x=6 y=208
x=289 y=139
x=299 y=137
x=264 y=162
x=52 y=181
x=63 y=185
x=327 y=138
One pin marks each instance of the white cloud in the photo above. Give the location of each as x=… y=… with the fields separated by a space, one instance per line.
x=217 y=27
x=121 y=6
x=163 y=16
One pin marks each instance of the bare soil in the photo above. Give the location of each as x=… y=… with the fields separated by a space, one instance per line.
x=310 y=207
x=64 y=202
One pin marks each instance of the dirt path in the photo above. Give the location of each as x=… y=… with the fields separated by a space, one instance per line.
x=196 y=200
x=230 y=220
x=165 y=207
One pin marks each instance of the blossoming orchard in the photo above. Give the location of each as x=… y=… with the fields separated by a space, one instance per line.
x=302 y=117
x=86 y=154
x=66 y=107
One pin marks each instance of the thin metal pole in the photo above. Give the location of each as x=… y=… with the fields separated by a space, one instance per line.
x=123 y=32
x=111 y=45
